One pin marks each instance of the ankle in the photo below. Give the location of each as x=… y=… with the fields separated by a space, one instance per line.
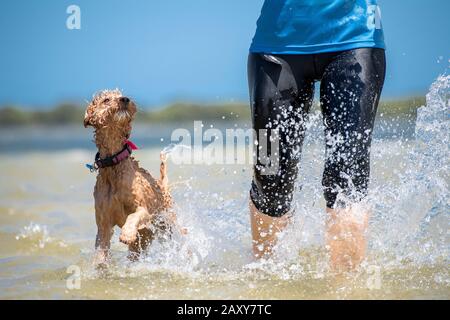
x=265 y=231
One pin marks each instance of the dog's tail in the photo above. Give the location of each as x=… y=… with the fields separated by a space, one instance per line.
x=163 y=171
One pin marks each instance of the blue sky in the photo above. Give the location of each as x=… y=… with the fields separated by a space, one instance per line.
x=160 y=51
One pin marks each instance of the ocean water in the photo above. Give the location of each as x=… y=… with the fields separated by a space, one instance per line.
x=47 y=224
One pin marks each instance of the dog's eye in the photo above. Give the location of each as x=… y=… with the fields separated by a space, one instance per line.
x=106 y=100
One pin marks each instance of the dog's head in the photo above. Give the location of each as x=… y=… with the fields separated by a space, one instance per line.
x=109 y=108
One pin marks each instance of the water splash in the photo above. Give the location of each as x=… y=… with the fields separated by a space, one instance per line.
x=35 y=232
x=409 y=196
x=408 y=226
x=169 y=149
x=412 y=208
x=38 y=236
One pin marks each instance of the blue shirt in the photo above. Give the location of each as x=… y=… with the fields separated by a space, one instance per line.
x=315 y=26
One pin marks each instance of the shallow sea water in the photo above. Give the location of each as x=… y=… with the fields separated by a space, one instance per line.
x=47 y=225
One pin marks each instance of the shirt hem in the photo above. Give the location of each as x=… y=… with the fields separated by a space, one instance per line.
x=316 y=48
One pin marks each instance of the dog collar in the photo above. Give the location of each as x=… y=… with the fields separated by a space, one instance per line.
x=114 y=159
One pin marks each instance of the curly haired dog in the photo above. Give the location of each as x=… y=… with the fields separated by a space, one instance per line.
x=125 y=194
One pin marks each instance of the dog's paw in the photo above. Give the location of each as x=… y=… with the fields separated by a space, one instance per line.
x=128 y=235
x=163 y=156
x=184 y=231
x=101 y=259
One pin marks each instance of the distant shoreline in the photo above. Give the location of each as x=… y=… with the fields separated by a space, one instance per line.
x=65 y=114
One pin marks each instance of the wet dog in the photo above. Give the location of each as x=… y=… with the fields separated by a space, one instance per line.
x=125 y=194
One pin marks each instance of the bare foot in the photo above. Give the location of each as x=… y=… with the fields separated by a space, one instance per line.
x=265 y=231
x=346 y=237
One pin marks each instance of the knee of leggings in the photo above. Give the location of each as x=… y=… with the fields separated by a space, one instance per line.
x=346 y=176
x=341 y=189
x=272 y=194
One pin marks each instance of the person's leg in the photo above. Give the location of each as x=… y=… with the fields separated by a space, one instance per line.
x=279 y=100
x=350 y=91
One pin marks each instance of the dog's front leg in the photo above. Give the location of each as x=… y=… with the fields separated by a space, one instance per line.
x=102 y=245
x=135 y=232
x=136 y=221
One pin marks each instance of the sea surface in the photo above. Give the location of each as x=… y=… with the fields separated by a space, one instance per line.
x=47 y=224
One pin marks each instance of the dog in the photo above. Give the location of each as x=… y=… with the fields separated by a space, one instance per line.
x=125 y=194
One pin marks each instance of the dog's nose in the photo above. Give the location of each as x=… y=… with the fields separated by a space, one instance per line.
x=124 y=100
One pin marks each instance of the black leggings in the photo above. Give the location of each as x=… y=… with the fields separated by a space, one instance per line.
x=281 y=93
